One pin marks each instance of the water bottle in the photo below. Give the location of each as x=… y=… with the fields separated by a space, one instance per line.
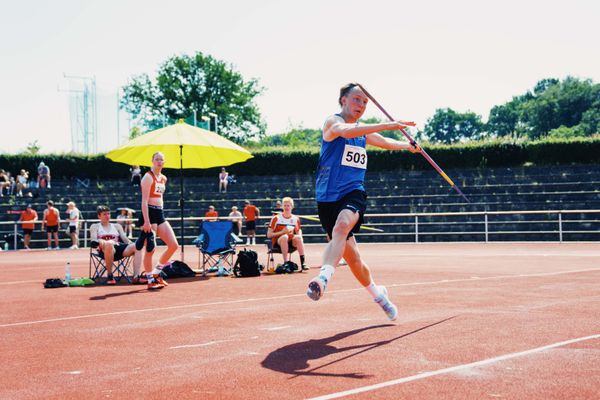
x=221 y=271
x=68 y=272
x=5 y=245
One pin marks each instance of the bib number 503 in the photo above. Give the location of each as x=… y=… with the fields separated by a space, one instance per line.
x=354 y=156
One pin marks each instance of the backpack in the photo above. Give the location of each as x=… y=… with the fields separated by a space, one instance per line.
x=54 y=283
x=247 y=264
x=287 y=268
x=177 y=269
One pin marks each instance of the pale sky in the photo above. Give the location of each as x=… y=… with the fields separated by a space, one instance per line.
x=413 y=56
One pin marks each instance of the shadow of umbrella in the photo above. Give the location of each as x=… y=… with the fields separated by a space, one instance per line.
x=184 y=147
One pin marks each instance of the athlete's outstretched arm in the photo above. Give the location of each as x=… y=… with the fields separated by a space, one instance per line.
x=335 y=126
x=383 y=142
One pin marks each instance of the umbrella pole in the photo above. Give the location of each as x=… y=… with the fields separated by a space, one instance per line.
x=181 y=199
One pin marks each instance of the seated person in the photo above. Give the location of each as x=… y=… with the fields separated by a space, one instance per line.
x=43 y=179
x=211 y=215
x=285 y=232
x=223 y=180
x=236 y=220
x=114 y=245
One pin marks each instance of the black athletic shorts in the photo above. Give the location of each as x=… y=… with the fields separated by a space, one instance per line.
x=51 y=229
x=291 y=248
x=72 y=229
x=355 y=201
x=119 y=249
x=250 y=225
x=27 y=231
x=156 y=215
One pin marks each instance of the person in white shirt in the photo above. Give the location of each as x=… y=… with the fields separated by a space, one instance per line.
x=73 y=229
x=236 y=220
x=114 y=245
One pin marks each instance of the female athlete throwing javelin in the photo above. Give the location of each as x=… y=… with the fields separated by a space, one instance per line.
x=152 y=219
x=340 y=191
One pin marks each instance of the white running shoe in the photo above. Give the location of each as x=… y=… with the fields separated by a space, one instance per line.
x=316 y=287
x=386 y=305
x=74 y=247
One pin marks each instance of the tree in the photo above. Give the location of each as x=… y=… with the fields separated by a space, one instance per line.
x=448 y=126
x=135 y=132
x=33 y=148
x=296 y=137
x=199 y=83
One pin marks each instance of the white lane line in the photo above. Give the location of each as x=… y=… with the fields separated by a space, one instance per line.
x=276 y=328
x=289 y=296
x=189 y=346
x=452 y=369
x=17 y=282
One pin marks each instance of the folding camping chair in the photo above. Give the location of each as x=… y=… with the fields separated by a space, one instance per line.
x=121 y=268
x=276 y=250
x=216 y=245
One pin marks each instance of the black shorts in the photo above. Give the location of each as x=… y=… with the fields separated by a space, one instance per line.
x=156 y=215
x=250 y=225
x=72 y=229
x=355 y=201
x=291 y=248
x=51 y=229
x=27 y=231
x=119 y=249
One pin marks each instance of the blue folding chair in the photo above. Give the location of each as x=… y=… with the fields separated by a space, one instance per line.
x=216 y=245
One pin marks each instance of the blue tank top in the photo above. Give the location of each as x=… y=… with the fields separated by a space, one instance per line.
x=342 y=167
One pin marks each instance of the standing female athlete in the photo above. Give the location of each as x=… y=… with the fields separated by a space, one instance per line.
x=152 y=220
x=340 y=191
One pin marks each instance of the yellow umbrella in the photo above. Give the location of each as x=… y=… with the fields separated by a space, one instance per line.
x=184 y=146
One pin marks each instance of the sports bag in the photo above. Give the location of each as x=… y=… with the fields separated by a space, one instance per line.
x=177 y=269
x=247 y=264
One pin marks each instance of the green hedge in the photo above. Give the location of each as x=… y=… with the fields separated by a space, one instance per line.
x=277 y=161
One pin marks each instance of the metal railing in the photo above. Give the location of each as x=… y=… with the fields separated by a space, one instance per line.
x=415 y=224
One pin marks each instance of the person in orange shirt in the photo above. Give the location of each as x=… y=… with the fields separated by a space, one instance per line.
x=28 y=215
x=285 y=232
x=251 y=213
x=51 y=220
x=211 y=215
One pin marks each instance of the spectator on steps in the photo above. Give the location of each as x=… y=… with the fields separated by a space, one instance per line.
x=236 y=220
x=51 y=221
x=29 y=215
x=73 y=229
x=4 y=182
x=124 y=219
x=22 y=182
x=251 y=213
x=136 y=175
x=211 y=215
x=223 y=180
x=43 y=179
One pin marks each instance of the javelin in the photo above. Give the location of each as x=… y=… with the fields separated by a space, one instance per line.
x=414 y=144
x=366 y=228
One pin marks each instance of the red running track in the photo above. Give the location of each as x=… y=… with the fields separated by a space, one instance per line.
x=477 y=321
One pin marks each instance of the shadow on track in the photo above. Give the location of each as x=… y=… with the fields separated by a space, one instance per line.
x=294 y=359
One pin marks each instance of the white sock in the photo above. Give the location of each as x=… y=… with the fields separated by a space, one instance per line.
x=327 y=272
x=373 y=290
x=159 y=267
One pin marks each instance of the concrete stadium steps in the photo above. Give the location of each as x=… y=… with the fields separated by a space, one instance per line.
x=492 y=189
